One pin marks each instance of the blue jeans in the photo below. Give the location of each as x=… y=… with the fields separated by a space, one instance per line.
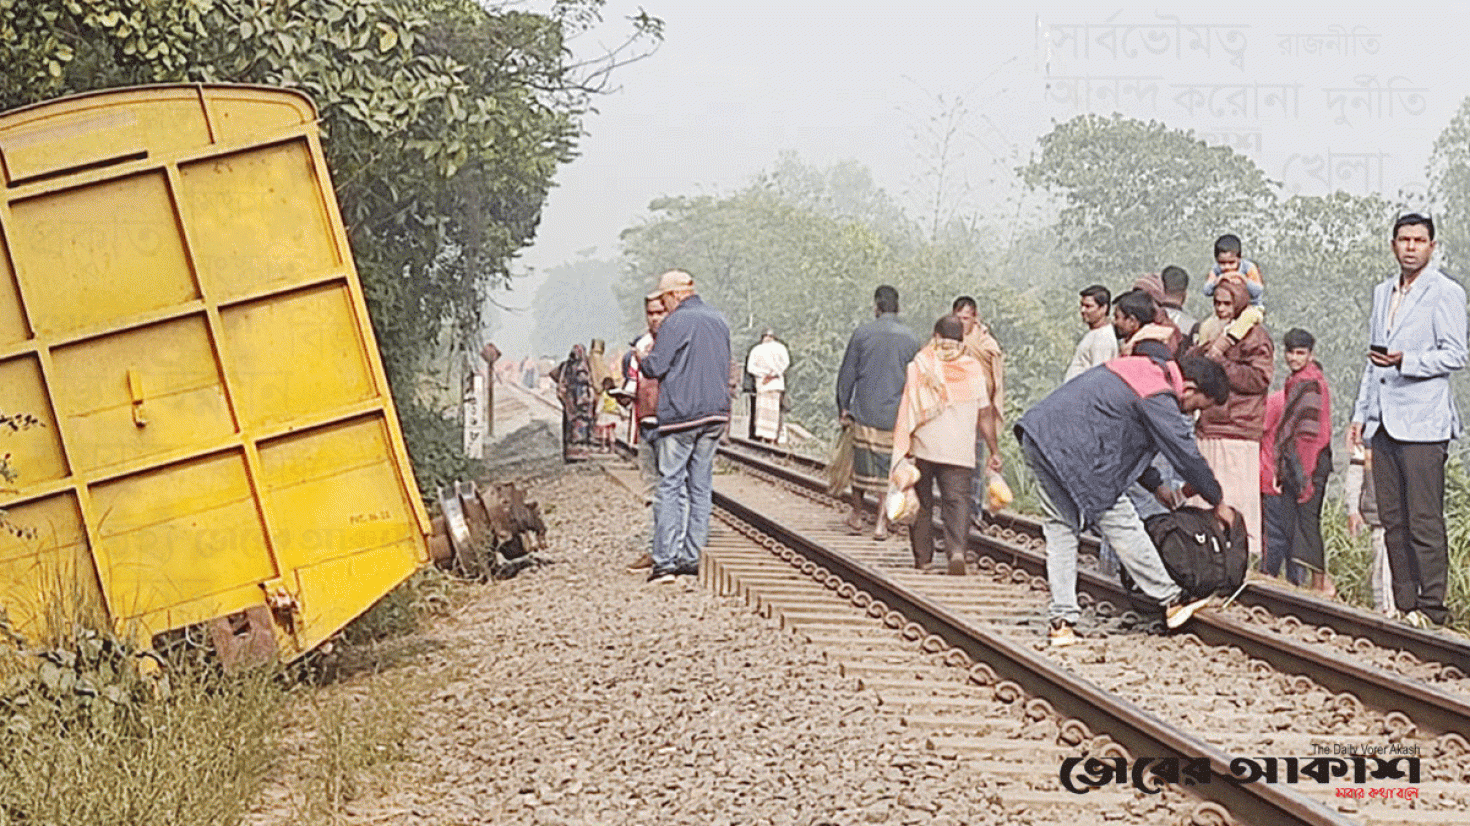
x=1119 y=525
x=681 y=502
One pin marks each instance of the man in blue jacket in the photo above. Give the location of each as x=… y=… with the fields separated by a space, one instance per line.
x=1089 y=440
x=1416 y=338
x=691 y=360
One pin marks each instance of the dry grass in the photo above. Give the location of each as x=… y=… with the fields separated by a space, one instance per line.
x=93 y=732
x=87 y=738
x=341 y=741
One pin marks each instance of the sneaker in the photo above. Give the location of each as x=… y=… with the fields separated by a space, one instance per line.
x=692 y=569
x=1178 y=612
x=1417 y=619
x=641 y=564
x=957 y=565
x=1061 y=633
x=657 y=575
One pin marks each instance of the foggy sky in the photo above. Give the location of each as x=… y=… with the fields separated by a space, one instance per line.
x=1321 y=99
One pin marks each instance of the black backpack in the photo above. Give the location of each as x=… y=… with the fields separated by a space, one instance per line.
x=1201 y=557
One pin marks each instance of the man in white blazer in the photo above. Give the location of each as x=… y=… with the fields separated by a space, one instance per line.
x=1416 y=338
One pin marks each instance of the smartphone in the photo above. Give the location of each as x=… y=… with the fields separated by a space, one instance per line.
x=1379 y=349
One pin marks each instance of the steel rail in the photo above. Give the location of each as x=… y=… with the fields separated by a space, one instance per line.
x=1345 y=619
x=1140 y=732
x=526 y=391
x=1429 y=708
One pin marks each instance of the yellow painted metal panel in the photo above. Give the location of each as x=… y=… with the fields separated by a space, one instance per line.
x=266 y=225
x=173 y=369
x=91 y=130
x=35 y=453
x=334 y=491
x=77 y=141
x=198 y=609
x=216 y=417
x=242 y=113
x=13 y=327
x=98 y=253
x=294 y=355
x=46 y=577
x=336 y=591
x=179 y=534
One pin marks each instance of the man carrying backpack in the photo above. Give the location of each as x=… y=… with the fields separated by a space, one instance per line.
x=1089 y=440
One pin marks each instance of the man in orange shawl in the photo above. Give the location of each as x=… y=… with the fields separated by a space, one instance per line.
x=945 y=401
x=980 y=345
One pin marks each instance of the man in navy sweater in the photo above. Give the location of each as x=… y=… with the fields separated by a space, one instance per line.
x=691 y=360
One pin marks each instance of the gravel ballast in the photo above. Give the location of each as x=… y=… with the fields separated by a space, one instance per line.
x=576 y=693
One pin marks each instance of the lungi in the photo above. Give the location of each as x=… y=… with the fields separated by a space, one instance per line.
x=768 y=415
x=872 y=449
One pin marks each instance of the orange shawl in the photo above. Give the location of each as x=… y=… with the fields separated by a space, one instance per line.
x=940 y=375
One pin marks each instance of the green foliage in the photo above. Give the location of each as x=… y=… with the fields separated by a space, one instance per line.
x=1457 y=526
x=801 y=250
x=767 y=259
x=1138 y=195
x=1449 y=181
x=1323 y=258
x=437 y=444
x=444 y=121
x=1349 y=558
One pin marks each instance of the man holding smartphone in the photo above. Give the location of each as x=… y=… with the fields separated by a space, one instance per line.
x=1406 y=410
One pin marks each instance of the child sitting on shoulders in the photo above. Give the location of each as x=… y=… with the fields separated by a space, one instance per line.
x=1229 y=263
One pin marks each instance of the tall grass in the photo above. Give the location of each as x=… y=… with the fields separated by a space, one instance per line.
x=1349 y=559
x=94 y=730
x=341 y=743
x=87 y=736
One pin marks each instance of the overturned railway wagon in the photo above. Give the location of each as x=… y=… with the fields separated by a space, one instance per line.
x=217 y=448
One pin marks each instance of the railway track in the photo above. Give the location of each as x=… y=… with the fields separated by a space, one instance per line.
x=1234 y=695
x=1259 y=714
x=1433 y=656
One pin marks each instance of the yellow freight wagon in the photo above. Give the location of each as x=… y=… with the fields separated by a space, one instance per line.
x=217 y=445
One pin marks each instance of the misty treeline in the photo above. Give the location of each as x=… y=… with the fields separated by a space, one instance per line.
x=443 y=124
x=800 y=250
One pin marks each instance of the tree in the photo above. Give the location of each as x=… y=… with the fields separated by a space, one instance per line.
x=1137 y=196
x=801 y=250
x=1324 y=256
x=1449 y=183
x=444 y=122
x=782 y=253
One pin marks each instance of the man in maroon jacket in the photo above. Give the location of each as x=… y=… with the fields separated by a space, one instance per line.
x=645 y=409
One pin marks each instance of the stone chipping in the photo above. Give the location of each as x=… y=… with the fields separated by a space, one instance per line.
x=576 y=693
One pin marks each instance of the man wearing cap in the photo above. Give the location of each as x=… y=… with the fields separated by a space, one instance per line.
x=691 y=360
x=1406 y=410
